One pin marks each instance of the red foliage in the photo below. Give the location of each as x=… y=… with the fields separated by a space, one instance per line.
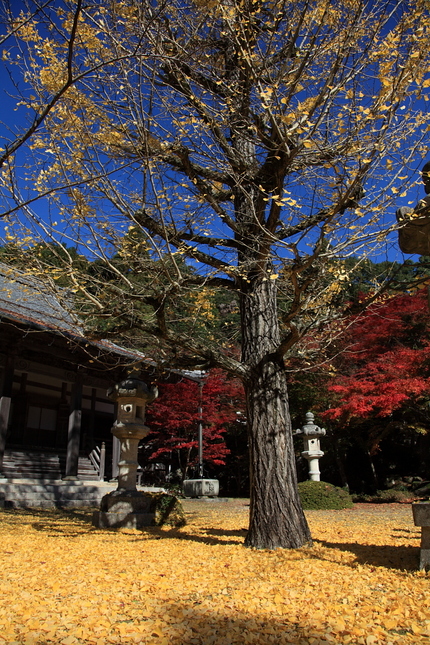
x=387 y=360
x=174 y=419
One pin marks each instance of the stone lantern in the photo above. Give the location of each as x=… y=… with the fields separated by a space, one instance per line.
x=311 y=445
x=126 y=506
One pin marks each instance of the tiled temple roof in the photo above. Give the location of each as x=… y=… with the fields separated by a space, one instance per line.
x=23 y=300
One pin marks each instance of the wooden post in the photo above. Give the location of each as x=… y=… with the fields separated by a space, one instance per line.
x=102 y=461
x=5 y=405
x=90 y=443
x=74 y=432
x=115 y=450
x=20 y=411
x=200 y=430
x=62 y=418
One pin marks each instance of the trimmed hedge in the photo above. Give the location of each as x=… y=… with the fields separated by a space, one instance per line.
x=319 y=496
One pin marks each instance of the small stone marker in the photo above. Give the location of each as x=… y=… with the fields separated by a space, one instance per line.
x=421 y=513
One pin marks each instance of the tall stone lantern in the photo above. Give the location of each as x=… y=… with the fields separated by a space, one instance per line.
x=311 y=445
x=126 y=506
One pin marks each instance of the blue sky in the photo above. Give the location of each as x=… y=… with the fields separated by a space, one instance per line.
x=14 y=121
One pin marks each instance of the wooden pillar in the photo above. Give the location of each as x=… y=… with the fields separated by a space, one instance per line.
x=90 y=436
x=20 y=410
x=116 y=448
x=63 y=412
x=5 y=404
x=74 y=431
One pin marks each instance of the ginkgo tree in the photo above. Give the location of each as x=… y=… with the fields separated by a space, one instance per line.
x=253 y=141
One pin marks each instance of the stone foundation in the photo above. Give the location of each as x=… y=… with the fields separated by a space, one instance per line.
x=124 y=509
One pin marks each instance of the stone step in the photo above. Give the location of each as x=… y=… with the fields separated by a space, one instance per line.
x=31 y=474
x=43 y=465
x=26 y=493
x=51 y=485
x=21 y=454
x=45 y=456
x=49 y=463
x=46 y=473
x=25 y=465
x=33 y=469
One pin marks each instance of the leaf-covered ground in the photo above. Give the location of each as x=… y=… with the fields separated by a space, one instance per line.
x=65 y=583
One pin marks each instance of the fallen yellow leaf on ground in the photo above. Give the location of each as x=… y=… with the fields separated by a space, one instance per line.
x=65 y=582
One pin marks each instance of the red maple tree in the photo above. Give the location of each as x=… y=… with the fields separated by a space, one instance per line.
x=371 y=390
x=385 y=362
x=174 y=419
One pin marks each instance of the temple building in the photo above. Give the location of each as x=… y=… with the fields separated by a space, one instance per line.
x=54 y=411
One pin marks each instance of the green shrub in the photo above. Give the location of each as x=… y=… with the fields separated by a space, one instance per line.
x=168 y=510
x=318 y=496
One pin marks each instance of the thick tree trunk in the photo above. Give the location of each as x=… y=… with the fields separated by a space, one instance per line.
x=276 y=518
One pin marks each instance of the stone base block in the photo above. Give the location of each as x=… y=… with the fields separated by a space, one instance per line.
x=421 y=513
x=425 y=559
x=123 y=501
x=124 y=509
x=107 y=520
x=200 y=487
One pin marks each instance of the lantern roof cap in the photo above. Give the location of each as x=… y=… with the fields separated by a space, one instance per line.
x=134 y=387
x=310 y=429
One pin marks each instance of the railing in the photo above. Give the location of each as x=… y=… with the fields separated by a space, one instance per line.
x=98 y=460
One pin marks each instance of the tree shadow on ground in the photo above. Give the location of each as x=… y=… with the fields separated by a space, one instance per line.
x=51 y=520
x=406 y=534
x=400 y=557
x=206 y=536
x=84 y=513
x=202 y=626
x=240 y=533
x=191 y=623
